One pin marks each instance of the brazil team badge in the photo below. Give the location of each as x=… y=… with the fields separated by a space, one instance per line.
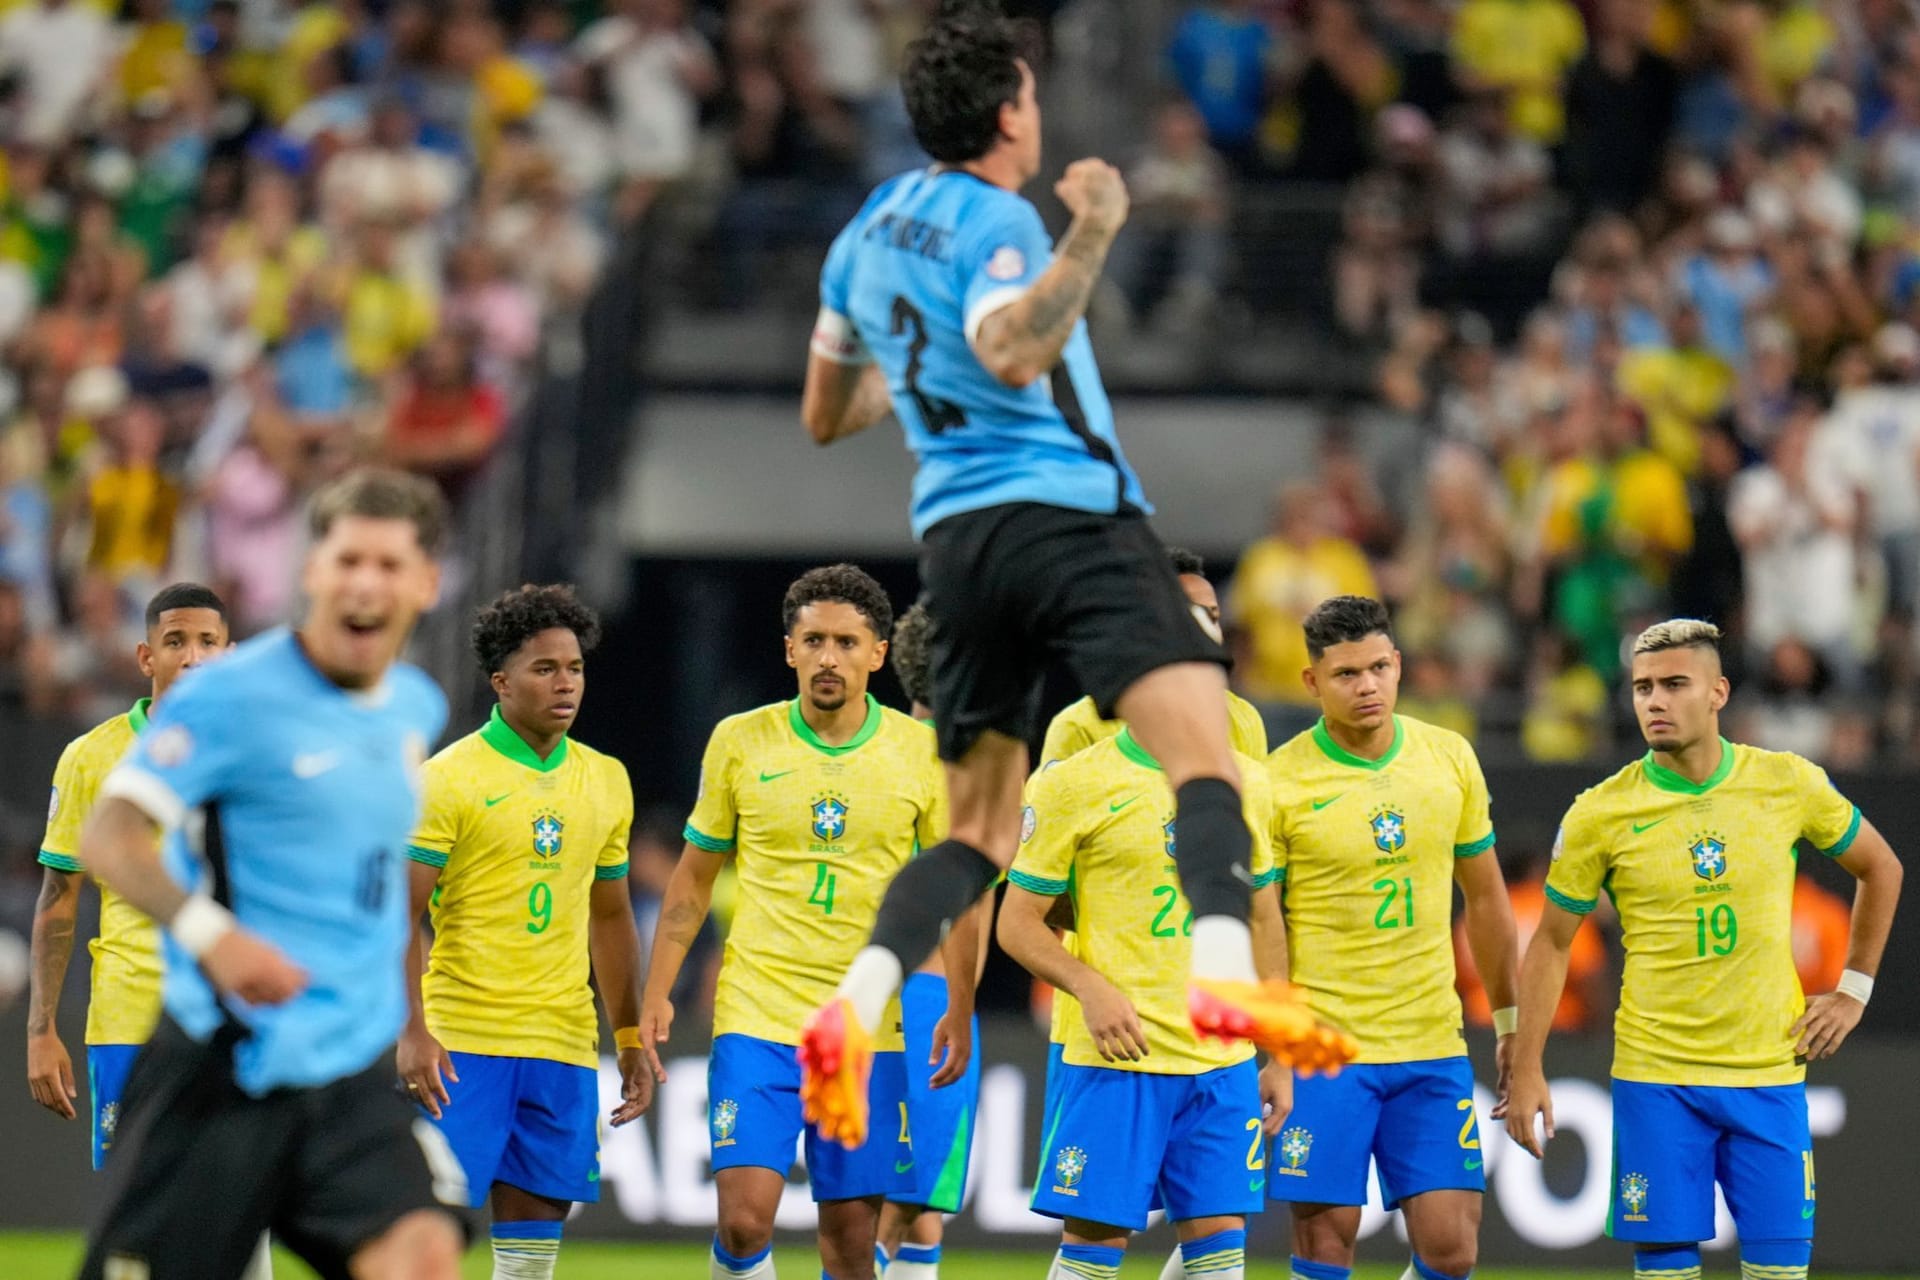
x=1709 y=852
x=547 y=831
x=1389 y=830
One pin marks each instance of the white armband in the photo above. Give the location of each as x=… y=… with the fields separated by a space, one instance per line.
x=199 y=924
x=1856 y=984
x=835 y=339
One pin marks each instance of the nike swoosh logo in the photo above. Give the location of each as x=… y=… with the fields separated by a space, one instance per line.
x=313 y=764
x=1115 y=808
x=494 y=800
x=1258 y=1184
x=1318 y=805
x=1473 y=1162
x=1640 y=827
x=769 y=777
x=902 y=1168
x=1807 y=1212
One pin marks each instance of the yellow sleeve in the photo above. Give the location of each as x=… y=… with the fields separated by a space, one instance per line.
x=1277 y=847
x=1048 y=836
x=1065 y=735
x=1828 y=820
x=441 y=803
x=67 y=810
x=612 y=862
x=714 y=819
x=1475 y=835
x=1257 y=803
x=1579 y=867
x=932 y=827
x=1248 y=729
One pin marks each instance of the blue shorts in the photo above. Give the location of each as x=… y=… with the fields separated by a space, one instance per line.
x=940 y=1120
x=753 y=1120
x=1056 y=1063
x=1116 y=1136
x=1672 y=1142
x=1414 y=1120
x=531 y=1123
x=107 y=1069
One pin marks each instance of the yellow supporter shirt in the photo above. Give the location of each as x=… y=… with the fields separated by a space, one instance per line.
x=1365 y=851
x=1702 y=876
x=1275 y=587
x=1526 y=46
x=519 y=842
x=125 y=1001
x=817 y=833
x=386 y=318
x=1100 y=825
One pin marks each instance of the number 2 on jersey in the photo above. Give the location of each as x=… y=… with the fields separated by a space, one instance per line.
x=1384 y=916
x=1160 y=928
x=824 y=883
x=936 y=415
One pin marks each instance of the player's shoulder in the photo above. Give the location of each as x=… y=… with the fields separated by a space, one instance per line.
x=1301 y=748
x=914 y=735
x=1765 y=766
x=1075 y=715
x=462 y=756
x=604 y=768
x=110 y=737
x=755 y=725
x=1607 y=796
x=1439 y=741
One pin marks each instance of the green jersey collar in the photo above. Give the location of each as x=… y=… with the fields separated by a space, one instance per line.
x=1132 y=750
x=1340 y=755
x=1667 y=780
x=499 y=735
x=805 y=733
x=138 y=716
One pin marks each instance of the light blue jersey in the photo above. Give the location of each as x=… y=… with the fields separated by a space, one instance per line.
x=907 y=284
x=291 y=800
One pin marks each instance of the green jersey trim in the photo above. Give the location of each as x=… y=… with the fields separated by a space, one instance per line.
x=137 y=717
x=1837 y=849
x=1340 y=755
x=1036 y=884
x=701 y=840
x=1130 y=748
x=1475 y=848
x=1266 y=878
x=426 y=857
x=1667 y=780
x=618 y=871
x=499 y=735
x=60 y=861
x=805 y=733
x=1578 y=906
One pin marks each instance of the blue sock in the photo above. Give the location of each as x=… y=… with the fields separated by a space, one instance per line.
x=1304 y=1270
x=1429 y=1273
x=1224 y=1253
x=880 y=1259
x=1679 y=1263
x=920 y=1253
x=1775 y=1259
x=739 y=1266
x=1091 y=1261
x=525 y=1249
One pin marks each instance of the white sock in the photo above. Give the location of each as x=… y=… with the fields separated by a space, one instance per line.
x=525 y=1250
x=1223 y=949
x=1409 y=1273
x=915 y=1262
x=260 y=1267
x=872 y=980
x=724 y=1266
x=1176 y=1268
x=522 y=1266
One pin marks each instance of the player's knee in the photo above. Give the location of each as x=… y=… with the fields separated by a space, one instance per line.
x=743 y=1229
x=1319 y=1238
x=424 y=1245
x=1453 y=1256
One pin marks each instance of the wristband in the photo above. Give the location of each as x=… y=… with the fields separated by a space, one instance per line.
x=1506 y=1021
x=199 y=923
x=1856 y=984
x=625 y=1038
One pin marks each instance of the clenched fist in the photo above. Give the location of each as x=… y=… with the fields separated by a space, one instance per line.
x=1094 y=194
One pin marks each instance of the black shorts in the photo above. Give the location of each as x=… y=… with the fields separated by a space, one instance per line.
x=1013 y=588
x=199 y=1168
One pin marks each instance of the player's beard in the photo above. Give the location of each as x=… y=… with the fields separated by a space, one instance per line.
x=832 y=699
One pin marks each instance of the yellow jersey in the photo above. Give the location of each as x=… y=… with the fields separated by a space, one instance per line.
x=1702 y=876
x=127 y=976
x=1079 y=726
x=1100 y=826
x=817 y=832
x=1365 y=851
x=519 y=842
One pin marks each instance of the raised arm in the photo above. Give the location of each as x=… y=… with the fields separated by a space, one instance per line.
x=1832 y=1016
x=689 y=898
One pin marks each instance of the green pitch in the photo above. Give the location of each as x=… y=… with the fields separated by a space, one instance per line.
x=28 y=1256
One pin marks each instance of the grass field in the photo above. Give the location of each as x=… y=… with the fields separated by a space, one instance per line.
x=25 y=1256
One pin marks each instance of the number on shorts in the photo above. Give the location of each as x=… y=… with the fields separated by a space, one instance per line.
x=540 y=907
x=1806 y=1164
x=905 y=1136
x=1256 y=1149
x=1469 y=1140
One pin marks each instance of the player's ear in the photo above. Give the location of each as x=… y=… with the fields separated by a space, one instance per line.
x=879 y=655
x=1309 y=679
x=787 y=640
x=143 y=653
x=1722 y=692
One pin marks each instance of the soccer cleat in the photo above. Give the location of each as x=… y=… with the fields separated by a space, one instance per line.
x=836 y=1059
x=1274 y=1016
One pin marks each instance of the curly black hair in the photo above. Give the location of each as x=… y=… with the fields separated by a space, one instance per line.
x=1186 y=562
x=1344 y=619
x=839 y=584
x=961 y=70
x=911 y=654
x=521 y=614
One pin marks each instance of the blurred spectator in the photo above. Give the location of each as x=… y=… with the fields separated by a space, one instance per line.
x=657 y=70
x=1726 y=282
x=386 y=316
x=1476 y=408
x=1347 y=77
x=1680 y=387
x=1566 y=716
x=131 y=503
x=1450 y=579
x=62 y=51
x=1219 y=54
x=1822 y=927
x=1494 y=197
x=1173 y=247
x=1281 y=579
x=1524 y=47
x=1387 y=217
x=446 y=421
x=1791 y=708
x=1765 y=396
x=1432 y=696
x=1603 y=308
x=1587 y=994
x=1707 y=582
x=1620 y=110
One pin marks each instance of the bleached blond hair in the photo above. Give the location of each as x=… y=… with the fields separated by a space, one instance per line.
x=1678 y=633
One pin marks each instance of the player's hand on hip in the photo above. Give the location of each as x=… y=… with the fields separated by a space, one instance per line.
x=1094 y=194
x=420 y=1060
x=1276 y=1096
x=1113 y=1023
x=1527 y=1097
x=50 y=1074
x=636 y=1086
x=1824 y=1027
x=246 y=965
x=656 y=1023
x=953 y=1037
x=1503 y=1076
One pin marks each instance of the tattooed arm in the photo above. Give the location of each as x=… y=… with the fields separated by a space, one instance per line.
x=49 y=1069
x=689 y=898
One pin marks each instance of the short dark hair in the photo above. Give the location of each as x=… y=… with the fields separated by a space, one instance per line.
x=523 y=613
x=1186 y=562
x=1342 y=620
x=381 y=493
x=912 y=655
x=184 y=595
x=961 y=70
x=839 y=584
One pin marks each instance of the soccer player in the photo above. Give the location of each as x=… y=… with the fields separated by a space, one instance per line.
x=1695 y=846
x=944 y=299
x=283 y=777
x=819 y=800
x=940 y=1029
x=521 y=855
x=186 y=625
x=1144 y=1103
x=1376 y=819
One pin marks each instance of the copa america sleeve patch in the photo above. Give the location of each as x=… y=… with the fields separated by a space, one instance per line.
x=835 y=339
x=1007 y=263
x=1028 y=821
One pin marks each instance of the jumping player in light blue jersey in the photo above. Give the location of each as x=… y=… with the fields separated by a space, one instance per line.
x=944 y=301
x=285 y=779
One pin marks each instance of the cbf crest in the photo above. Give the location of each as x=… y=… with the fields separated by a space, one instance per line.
x=548 y=833
x=1633 y=1194
x=1389 y=827
x=1296 y=1144
x=1069 y=1166
x=109 y=1119
x=726 y=1114
x=829 y=814
x=1709 y=851
x=1166 y=829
